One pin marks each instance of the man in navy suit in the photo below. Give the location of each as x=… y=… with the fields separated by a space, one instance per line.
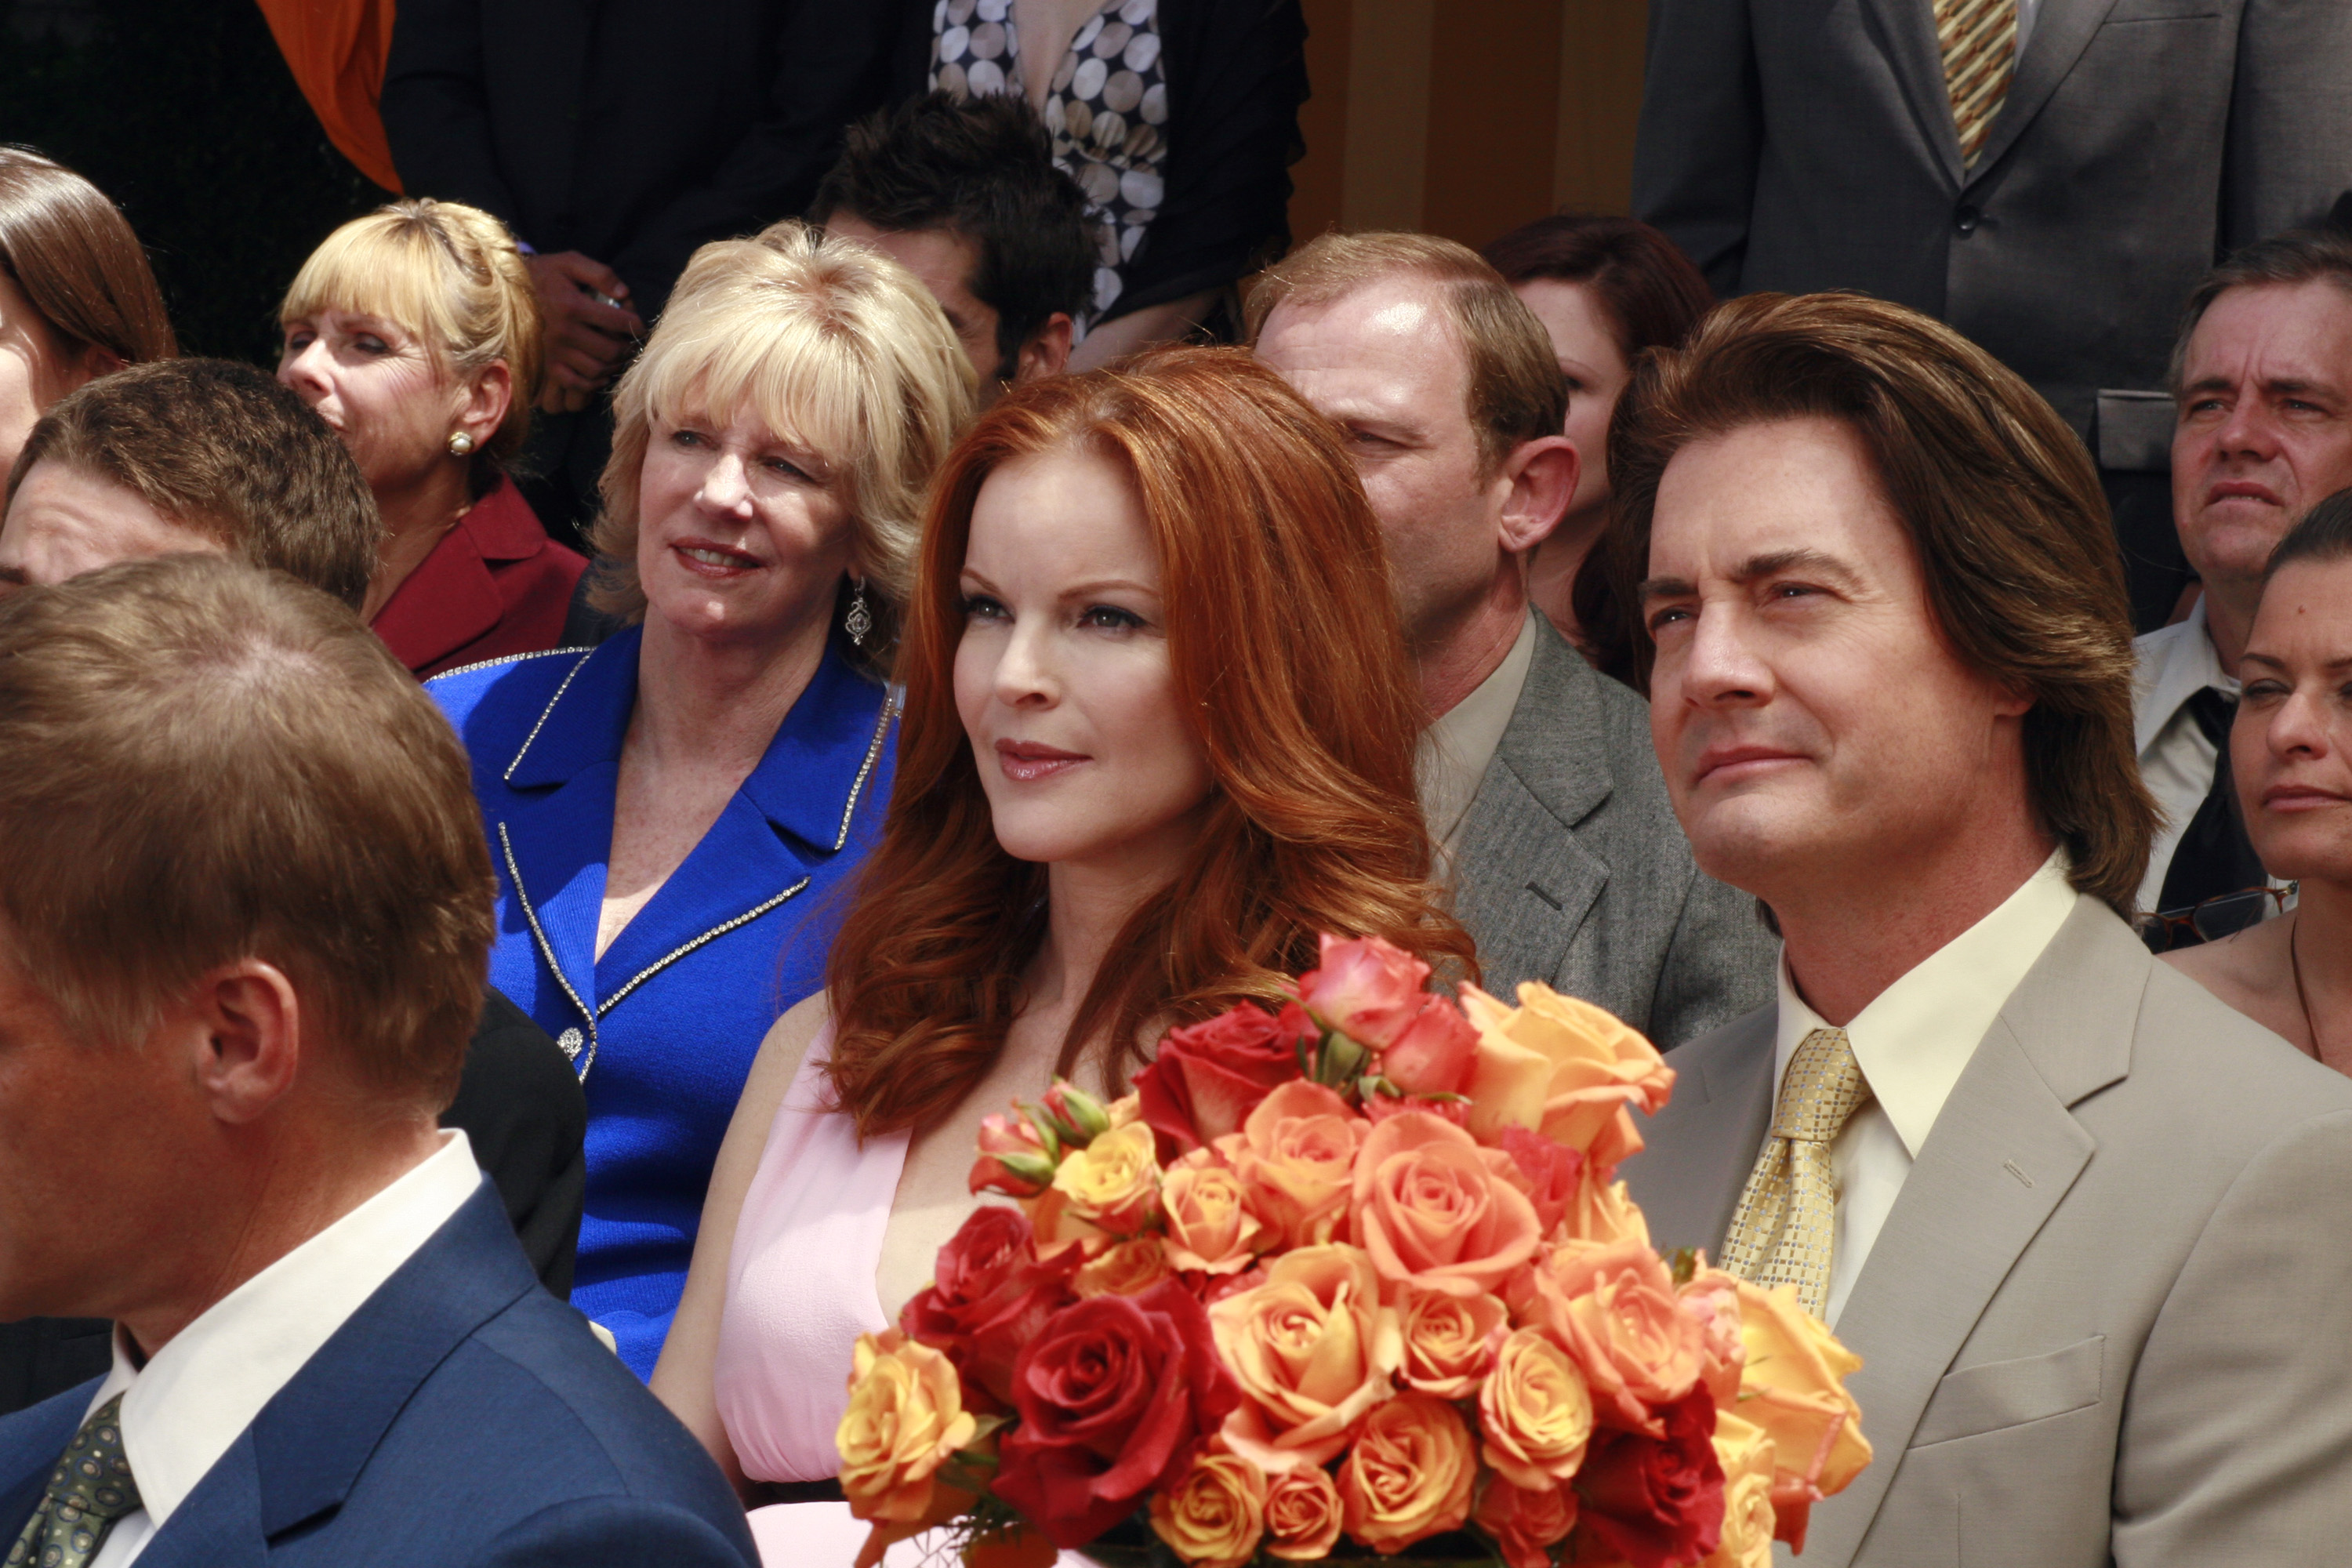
x=245 y=915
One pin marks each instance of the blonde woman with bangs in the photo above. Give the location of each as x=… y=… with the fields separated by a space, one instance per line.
x=671 y=813
x=414 y=334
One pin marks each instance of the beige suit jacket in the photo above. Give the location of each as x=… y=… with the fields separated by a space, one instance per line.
x=2110 y=1316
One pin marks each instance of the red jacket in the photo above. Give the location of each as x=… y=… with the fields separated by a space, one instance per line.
x=496 y=584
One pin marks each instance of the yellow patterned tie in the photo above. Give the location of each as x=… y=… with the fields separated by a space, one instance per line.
x=1786 y=1228
x=1979 y=40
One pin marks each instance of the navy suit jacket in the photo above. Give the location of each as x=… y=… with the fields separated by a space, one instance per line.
x=461 y=1416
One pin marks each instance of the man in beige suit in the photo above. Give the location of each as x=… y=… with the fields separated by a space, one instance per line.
x=2090 y=1231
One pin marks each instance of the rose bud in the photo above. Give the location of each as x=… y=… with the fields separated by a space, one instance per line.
x=1368 y=990
x=1434 y=1052
x=1013 y=1160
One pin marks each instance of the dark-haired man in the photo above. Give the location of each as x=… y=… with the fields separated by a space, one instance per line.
x=964 y=194
x=2263 y=433
x=219 y=1077
x=1537 y=779
x=2081 y=1222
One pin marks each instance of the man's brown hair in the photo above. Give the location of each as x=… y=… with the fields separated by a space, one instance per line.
x=202 y=762
x=222 y=448
x=1999 y=498
x=2297 y=255
x=1515 y=392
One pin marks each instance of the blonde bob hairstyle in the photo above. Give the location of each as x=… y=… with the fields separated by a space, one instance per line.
x=453 y=276
x=835 y=347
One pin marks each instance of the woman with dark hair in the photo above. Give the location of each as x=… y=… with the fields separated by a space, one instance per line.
x=1159 y=734
x=77 y=297
x=1605 y=290
x=2291 y=758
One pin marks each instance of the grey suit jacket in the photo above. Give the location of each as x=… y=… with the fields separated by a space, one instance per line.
x=2109 y=1318
x=1808 y=144
x=1572 y=869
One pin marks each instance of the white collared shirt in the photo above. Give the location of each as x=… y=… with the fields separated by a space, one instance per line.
x=1912 y=1042
x=1453 y=751
x=196 y=1395
x=2176 y=759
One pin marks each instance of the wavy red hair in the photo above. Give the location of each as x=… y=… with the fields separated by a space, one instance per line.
x=1283 y=630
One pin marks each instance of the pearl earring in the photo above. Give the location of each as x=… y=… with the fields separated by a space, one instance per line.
x=460 y=443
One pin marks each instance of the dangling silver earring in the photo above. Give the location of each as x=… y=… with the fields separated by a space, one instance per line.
x=859 y=621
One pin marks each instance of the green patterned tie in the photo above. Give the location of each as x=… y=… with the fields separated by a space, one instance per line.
x=90 y=1490
x=1786 y=1228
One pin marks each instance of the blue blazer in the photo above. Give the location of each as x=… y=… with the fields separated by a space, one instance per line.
x=461 y=1416
x=662 y=1028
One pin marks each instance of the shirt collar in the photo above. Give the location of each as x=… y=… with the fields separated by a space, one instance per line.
x=1915 y=1038
x=196 y=1395
x=1453 y=751
x=2175 y=663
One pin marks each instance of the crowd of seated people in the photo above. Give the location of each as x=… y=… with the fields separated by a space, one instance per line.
x=519 y=1000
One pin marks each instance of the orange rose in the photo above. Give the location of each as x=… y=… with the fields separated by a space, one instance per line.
x=1126 y=1269
x=1210 y=1226
x=1055 y=1226
x=1794 y=1388
x=1712 y=1298
x=1114 y=1181
x=1408 y=1478
x=1215 y=1513
x=1746 y=1454
x=1431 y=1212
x=1535 y=1412
x=1449 y=1341
x=1562 y=1067
x=1312 y=1349
x=1615 y=1311
x=1298 y=1156
x=1601 y=1211
x=1525 y=1524
x=906 y=1416
x=1302 y=1516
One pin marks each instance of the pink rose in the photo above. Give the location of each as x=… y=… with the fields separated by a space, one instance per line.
x=1547 y=1172
x=1368 y=990
x=1012 y=1159
x=1434 y=1051
x=1429 y=1208
x=1207 y=1079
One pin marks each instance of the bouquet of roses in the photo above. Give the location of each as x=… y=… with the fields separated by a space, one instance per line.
x=1354 y=1277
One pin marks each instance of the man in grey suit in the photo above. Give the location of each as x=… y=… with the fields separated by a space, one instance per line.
x=1537 y=777
x=2049 y=176
x=2084 y=1224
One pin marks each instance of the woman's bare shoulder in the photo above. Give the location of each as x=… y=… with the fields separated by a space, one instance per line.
x=789 y=1037
x=2248 y=971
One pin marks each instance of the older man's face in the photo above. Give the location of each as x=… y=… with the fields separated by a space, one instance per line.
x=2265 y=422
x=65 y=521
x=1812 y=722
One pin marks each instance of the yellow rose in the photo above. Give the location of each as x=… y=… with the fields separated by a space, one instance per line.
x=1409 y=1476
x=1302 y=1516
x=1210 y=1226
x=1113 y=1181
x=1746 y=1453
x=1449 y=1340
x=1215 y=1514
x=1312 y=1349
x=1125 y=1109
x=1793 y=1387
x=1126 y=1269
x=1535 y=1412
x=906 y=1416
x=1297 y=1155
x=1562 y=1067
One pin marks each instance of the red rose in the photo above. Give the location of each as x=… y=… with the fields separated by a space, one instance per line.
x=1548 y=1172
x=1657 y=1501
x=1206 y=1080
x=990 y=1295
x=1434 y=1051
x=1115 y=1393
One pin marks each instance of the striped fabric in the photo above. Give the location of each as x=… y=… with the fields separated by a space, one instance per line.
x=1979 y=40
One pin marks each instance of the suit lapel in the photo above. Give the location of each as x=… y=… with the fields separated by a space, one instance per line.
x=1524 y=884
x=2061 y=31
x=1905 y=32
x=2001 y=1156
x=31 y=1442
x=219 y=1525
x=1698 y=1149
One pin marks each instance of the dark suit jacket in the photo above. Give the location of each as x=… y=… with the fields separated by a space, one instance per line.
x=633 y=130
x=496 y=584
x=1808 y=144
x=462 y=1416
x=2104 y=1323
x=527 y=1120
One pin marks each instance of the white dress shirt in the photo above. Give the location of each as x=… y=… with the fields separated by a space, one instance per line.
x=1912 y=1042
x=2176 y=759
x=1453 y=751
x=196 y=1395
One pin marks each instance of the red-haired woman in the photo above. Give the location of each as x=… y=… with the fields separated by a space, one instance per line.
x=1159 y=733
